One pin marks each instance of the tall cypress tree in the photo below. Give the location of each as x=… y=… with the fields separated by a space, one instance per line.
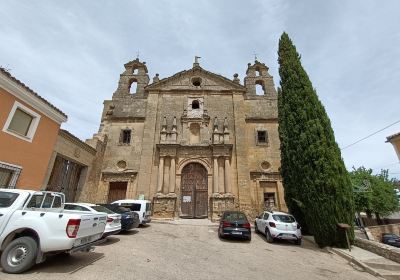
x=317 y=186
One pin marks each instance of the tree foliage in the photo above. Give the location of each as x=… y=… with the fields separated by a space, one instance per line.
x=317 y=186
x=373 y=193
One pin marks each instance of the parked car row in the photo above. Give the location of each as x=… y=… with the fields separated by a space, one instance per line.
x=274 y=225
x=391 y=239
x=37 y=224
x=122 y=215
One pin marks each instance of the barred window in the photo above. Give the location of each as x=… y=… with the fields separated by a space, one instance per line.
x=262 y=137
x=125 y=136
x=8 y=175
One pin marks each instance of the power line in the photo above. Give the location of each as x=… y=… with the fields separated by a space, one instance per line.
x=372 y=134
x=391 y=164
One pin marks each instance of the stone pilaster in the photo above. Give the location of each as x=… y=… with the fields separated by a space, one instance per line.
x=215 y=175
x=160 y=175
x=172 y=177
x=227 y=176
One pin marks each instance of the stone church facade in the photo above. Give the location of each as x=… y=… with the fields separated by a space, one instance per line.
x=195 y=143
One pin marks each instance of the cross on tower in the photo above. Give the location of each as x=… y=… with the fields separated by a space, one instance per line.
x=255 y=56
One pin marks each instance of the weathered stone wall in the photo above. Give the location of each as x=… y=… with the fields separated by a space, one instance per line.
x=377 y=231
x=220 y=98
x=91 y=191
x=164 y=207
x=219 y=204
x=386 y=251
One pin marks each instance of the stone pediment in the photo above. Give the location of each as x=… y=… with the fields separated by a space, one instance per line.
x=196 y=79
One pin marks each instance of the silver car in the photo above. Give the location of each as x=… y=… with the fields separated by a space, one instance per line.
x=278 y=225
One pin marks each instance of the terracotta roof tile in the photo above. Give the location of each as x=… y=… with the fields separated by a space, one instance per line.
x=392 y=136
x=6 y=73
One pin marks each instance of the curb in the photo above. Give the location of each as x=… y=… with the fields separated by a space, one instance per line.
x=356 y=262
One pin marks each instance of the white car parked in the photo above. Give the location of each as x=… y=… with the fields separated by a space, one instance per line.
x=113 y=225
x=278 y=225
x=34 y=225
x=142 y=207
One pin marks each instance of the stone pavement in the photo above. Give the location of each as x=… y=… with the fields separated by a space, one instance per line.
x=370 y=262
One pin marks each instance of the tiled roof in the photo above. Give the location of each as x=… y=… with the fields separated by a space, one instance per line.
x=6 y=73
x=392 y=136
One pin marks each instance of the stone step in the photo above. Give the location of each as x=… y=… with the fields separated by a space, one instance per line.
x=389 y=275
x=384 y=266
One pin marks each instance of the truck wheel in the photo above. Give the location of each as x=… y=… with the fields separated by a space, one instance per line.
x=19 y=255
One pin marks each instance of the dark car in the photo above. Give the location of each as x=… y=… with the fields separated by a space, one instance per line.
x=391 y=239
x=234 y=224
x=129 y=219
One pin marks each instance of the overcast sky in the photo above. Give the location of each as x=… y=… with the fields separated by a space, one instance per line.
x=72 y=52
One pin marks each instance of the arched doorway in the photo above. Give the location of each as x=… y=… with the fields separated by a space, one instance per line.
x=194 y=191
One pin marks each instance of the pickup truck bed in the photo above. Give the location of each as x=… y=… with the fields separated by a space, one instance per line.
x=38 y=221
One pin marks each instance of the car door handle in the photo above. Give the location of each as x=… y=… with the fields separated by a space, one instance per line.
x=1 y=215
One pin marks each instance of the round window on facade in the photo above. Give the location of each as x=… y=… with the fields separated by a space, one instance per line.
x=265 y=165
x=121 y=164
x=196 y=81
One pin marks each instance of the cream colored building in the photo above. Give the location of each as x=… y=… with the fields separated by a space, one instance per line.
x=395 y=141
x=195 y=143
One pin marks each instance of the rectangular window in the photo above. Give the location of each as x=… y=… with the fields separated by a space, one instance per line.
x=9 y=175
x=261 y=137
x=125 y=136
x=5 y=177
x=22 y=122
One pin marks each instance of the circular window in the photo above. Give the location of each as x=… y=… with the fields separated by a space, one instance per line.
x=265 y=165
x=121 y=164
x=196 y=81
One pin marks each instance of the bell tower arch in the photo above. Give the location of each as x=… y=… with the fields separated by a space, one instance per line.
x=258 y=81
x=133 y=80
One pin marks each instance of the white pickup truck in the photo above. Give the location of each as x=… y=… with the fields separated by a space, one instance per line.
x=33 y=225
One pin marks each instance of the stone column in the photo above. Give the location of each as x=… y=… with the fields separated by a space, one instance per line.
x=227 y=176
x=215 y=175
x=160 y=175
x=166 y=176
x=172 y=178
x=221 y=182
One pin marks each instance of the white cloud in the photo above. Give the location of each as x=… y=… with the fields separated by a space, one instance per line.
x=72 y=53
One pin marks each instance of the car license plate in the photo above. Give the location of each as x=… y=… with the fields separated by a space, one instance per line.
x=116 y=221
x=236 y=232
x=286 y=235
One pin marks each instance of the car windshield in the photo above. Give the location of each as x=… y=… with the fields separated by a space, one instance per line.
x=7 y=199
x=116 y=208
x=132 y=206
x=100 y=208
x=283 y=218
x=234 y=216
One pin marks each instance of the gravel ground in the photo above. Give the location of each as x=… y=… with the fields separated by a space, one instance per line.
x=193 y=251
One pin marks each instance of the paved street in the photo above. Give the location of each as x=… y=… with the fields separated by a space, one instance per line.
x=192 y=250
